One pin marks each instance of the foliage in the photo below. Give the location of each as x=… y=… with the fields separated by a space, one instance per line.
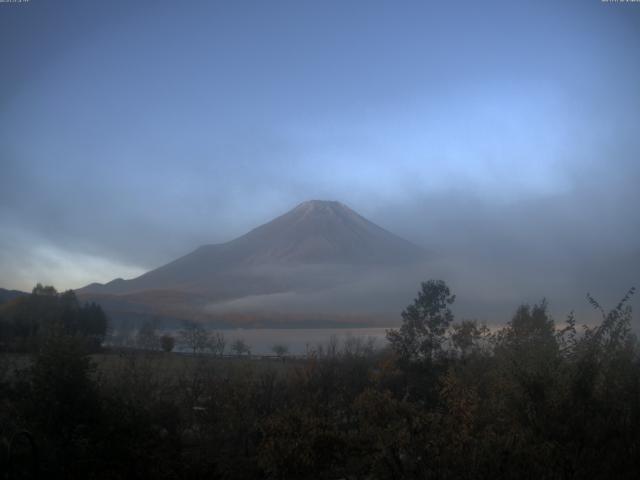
x=528 y=400
x=61 y=401
x=425 y=323
x=30 y=320
x=167 y=343
x=469 y=338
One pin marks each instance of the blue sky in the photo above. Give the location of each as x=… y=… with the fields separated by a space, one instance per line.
x=131 y=132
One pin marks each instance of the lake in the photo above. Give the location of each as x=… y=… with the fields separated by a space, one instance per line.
x=299 y=340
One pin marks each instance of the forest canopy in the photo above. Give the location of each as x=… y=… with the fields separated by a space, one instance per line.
x=28 y=320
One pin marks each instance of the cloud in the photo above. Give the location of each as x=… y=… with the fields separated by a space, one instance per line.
x=25 y=261
x=507 y=147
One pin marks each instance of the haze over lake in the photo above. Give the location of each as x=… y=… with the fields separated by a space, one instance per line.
x=302 y=341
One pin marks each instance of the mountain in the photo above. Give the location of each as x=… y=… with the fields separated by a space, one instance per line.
x=8 y=295
x=314 y=247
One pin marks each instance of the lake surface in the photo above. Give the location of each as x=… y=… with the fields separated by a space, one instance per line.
x=300 y=340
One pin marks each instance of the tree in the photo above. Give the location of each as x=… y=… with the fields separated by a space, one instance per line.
x=193 y=336
x=467 y=337
x=218 y=343
x=358 y=347
x=147 y=338
x=425 y=323
x=531 y=332
x=280 y=350
x=63 y=400
x=533 y=377
x=167 y=343
x=96 y=323
x=239 y=346
x=44 y=290
x=31 y=319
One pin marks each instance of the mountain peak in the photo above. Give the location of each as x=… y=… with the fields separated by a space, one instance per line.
x=324 y=232
x=320 y=204
x=322 y=208
x=315 y=233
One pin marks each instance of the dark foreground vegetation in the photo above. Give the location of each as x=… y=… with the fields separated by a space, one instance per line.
x=445 y=400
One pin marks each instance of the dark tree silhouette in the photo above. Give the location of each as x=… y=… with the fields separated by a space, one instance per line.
x=194 y=337
x=30 y=320
x=167 y=343
x=425 y=323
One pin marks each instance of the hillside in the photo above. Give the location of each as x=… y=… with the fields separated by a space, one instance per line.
x=8 y=295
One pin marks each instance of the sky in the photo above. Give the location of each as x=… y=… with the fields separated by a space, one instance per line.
x=503 y=136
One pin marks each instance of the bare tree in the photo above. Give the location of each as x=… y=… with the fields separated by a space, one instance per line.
x=194 y=337
x=217 y=343
x=358 y=347
x=239 y=346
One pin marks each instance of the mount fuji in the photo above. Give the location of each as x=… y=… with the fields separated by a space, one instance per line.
x=297 y=269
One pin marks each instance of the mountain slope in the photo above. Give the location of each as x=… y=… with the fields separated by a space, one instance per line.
x=318 y=245
x=315 y=233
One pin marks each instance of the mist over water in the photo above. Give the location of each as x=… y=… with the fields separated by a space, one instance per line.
x=302 y=341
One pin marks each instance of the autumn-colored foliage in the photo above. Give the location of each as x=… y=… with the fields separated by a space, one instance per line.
x=530 y=400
